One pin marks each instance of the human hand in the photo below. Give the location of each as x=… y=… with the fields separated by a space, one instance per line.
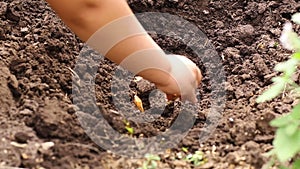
x=185 y=77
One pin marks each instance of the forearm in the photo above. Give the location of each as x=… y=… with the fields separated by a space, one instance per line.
x=85 y=17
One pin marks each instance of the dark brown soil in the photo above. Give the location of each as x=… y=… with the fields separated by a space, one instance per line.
x=38 y=121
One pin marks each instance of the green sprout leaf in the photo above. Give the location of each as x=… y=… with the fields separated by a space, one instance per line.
x=296 y=56
x=281 y=121
x=152 y=157
x=291 y=129
x=185 y=149
x=129 y=129
x=286 y=146
x=296 y=164
x=197 y=158
x=288 y=67
x=289 y=39
x=283 y=167
x=296 y=18
x=295 y=114
x=273 y=91
x=151 y=162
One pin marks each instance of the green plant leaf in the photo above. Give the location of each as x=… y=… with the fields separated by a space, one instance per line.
x=272 y=92
x=281 y=121
x=152 y=157
x=296 y=18
x=291 y=128
x=295 y=114
x=144 y=166
x=129 y=129
x=185 y=149
x=283 y=167
x=153 y=164
x=197 y=163
x=296 y=164
x=286 y=146
x=288 y=67
x=197 y=158
x=296 y=55
x=295 y=41
x=199 y=154
x=283 y=66
x=289 y=39
x=189 y=157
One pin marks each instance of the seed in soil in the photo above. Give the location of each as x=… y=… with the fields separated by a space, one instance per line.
x=138 y=102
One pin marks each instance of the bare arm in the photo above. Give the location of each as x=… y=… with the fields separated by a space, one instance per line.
x=85 y=17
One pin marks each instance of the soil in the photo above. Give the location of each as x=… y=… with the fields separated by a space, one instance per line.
x=39 y=122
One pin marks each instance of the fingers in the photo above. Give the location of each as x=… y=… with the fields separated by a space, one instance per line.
x=172 y=97
x=187 y=76
x=198 y=75
x=191 y=98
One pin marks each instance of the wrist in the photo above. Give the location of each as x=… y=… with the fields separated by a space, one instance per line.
x=157 y=76
x=151 y=64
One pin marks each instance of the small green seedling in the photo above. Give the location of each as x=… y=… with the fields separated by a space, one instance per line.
x=151 y=161
x=276 y=44
x=196 y=159
x=130 y=130
x=128 y=127
x=185 y=149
